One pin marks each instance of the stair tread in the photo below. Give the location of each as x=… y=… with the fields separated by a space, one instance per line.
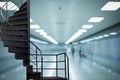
x=54 y=78
x=15 y=18
x=22 y=13
x=23 y=5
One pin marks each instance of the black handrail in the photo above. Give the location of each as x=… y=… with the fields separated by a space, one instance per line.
x=65 y=61
x=37 y=50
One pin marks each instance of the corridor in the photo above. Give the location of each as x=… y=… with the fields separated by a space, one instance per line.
x=60 y=39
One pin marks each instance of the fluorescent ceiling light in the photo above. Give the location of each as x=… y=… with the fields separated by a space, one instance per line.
x=111 y=6
x=39 y=41
x=39 y=30
x=99 y=37
x=76 y=35
x=2 y=4
x=113 y=33
x=31 y=20
x=10 y=6
x=96 y=19
x=96 y=38
x=106 y=35
x=87 y=40
x=82 y=30
x=52 y=40
x=87 y=26
x=34 y=26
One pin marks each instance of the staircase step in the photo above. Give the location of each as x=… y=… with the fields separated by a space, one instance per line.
x=18 y=49
x=34 y=75
x=18 y=22
x=15 y=43
x=24 y=5
x=54 y=78
x=18 y=27
x=29 y=68
x=26 y=62
x=14 y=38
x=22 y=13
x=20 y=56
x=17 y=18
x=16 y=33
x=21 y=10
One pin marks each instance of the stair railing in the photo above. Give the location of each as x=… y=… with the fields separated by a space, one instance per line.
x=5 y=6
x=57 y=61
x=37 y=49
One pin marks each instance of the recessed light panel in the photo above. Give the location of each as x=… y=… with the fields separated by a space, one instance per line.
x=31 y=20
x=34 y=26
x=10 y=6
x=96 y=19
x=106 y=35
x=87 y=26
x=113 y=33
x=1 y=4
x=82 y=30
x=111 y=6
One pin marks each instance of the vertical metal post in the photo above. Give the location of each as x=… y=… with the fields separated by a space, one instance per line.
x=41 y=64
x=6 y=9
x=36 y=61
x=68 y=66
x=65 y=64
x=56 y=65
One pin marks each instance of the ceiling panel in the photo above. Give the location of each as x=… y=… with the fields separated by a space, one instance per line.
x=62 y=18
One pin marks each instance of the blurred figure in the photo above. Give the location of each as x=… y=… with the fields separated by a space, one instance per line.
x=81 y=53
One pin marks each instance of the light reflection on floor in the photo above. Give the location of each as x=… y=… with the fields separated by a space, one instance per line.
x=84 y=69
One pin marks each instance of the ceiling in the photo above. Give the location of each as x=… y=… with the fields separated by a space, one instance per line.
x=62 y=18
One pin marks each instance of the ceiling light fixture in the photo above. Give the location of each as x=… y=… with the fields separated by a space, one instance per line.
x=10 y=6
x=31 y=20
x=113 y=33
x=82 y=30
x=39 y=30
x=96 y=19
x=44 y=34
x=52 y=40
x=39 y=41
x=34 y=26
x=87 y=26
x=106 y=35
x=99 y=37
x=76 y=35
x=111 y=6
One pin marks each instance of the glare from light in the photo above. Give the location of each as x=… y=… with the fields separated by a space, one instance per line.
x=82 y=30
x=106 y=35
x=34 y=26
x=31 y=20
x=87 y=26
x=96 y=19
x=113 y=33
x=111 y=6
x=10 y=6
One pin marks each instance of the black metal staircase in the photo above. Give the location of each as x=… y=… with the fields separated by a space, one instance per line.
x=15 y=33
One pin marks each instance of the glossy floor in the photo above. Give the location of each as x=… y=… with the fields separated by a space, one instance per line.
x=85 y=69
